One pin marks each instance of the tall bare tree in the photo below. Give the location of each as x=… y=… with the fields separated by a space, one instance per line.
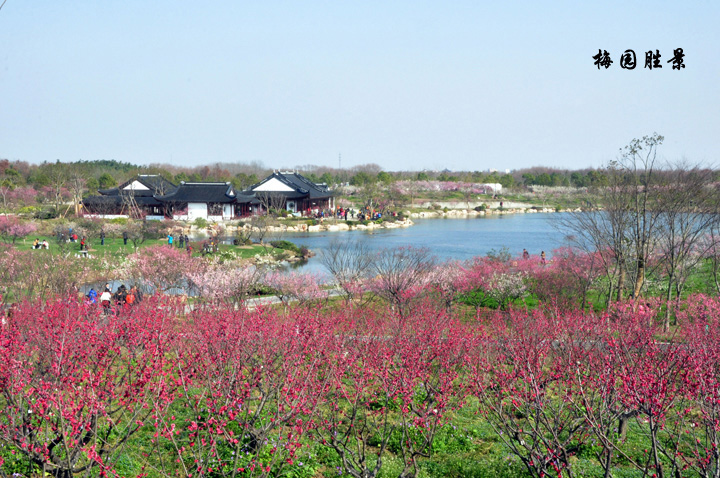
x=400 y=272
x=688 y=213
x=642 y=188
x=77 y=183
x=626 y=229
x=271 y=202
x=349 y=263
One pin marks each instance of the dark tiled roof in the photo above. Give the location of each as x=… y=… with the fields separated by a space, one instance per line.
x=246 y=197
x=201 y=192
x=156 y=185
x=303 y=186
x=118 y=200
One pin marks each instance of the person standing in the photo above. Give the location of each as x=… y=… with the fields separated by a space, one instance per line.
x=92 y=296
x=170 y=240
x=125 y=237
x=105 y=299
x=526 y=254
x=542 y=258
x=102 y=237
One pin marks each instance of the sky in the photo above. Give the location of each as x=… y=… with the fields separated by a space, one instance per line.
x=409 y=85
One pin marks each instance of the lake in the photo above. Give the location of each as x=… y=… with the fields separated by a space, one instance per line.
x=459 y=239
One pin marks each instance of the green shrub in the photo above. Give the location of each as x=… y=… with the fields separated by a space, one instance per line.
x=481 y=207
x=200 y=223
x=286 y=246
x=119 y=220
x=31 y=210
x=46 y=213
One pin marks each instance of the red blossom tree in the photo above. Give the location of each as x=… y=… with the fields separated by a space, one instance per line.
x=75 y=386
x=251 y=383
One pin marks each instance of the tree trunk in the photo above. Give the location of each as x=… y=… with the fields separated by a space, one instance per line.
x=621 y=281
x=640 y=279
x=668 y=298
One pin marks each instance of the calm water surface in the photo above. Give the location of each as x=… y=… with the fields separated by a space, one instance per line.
x=450 y=238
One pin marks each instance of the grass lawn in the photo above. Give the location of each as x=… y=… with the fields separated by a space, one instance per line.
x=114 y=248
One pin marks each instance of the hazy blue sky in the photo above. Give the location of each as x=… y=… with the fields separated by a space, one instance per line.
x=406 y=84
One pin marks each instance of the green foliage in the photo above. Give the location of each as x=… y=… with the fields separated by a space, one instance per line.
x=481 y=207
x=30 y=210
x=285 y=245
x=478 y=298
x=384 y=177
x=200 y=223
x=361 y=179
x=499 y=255
x=106 y=181
x=47 y=212
x=327 y=179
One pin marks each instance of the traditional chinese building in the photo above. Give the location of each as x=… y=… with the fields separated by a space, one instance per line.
x=189 y=201
x=154 y=197
x=134 y=198
x=293 y=192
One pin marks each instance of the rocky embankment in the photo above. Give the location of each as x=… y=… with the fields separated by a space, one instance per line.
x=463 y=213
x=230 y=229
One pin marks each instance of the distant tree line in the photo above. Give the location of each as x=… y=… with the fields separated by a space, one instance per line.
x=57 y=183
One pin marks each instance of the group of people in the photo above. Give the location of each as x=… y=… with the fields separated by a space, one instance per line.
x=210 y=246
x=182 y=240
x=345 y=213
x=123 y=297
x=526 y=256
x=44 y=244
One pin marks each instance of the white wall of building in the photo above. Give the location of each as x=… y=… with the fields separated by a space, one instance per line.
x=273 y=185
x=197 y=210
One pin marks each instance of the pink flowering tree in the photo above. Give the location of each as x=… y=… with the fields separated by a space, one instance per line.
x=566 y=280
x=225 y=282
x=162 y=268
x=301 y=288
x=448 y=280
x=494 y=282
x=11 y=267
x=12 y=198
x=38 y=274
x=13 y=228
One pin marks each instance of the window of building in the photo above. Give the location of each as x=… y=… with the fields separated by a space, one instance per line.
x=215 y=209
